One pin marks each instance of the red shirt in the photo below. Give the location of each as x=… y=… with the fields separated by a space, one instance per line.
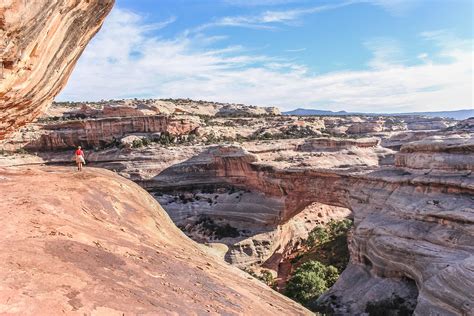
x=79 y=152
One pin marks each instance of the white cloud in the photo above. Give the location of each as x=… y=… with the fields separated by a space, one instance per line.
x=386 y=52
x=253 y=3
x=124 y=60
x=423 y=57
x=268 y=19
x=395 y=7
x=296 y=50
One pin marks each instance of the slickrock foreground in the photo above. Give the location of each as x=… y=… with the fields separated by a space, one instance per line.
x=95 y=243
x=40 y=42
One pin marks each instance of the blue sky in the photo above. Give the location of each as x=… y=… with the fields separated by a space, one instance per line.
x=361 y=55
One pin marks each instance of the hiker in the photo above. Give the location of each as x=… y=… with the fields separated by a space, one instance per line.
x=80 y=158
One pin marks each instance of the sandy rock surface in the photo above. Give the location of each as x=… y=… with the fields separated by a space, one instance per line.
x=95 y=243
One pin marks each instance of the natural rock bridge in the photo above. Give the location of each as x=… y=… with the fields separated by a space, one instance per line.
x=408 y=225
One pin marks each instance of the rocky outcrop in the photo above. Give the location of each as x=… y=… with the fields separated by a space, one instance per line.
x=465 y=125
x=92 y=242
x=396 y=140
x=366 y=127
x=112 y=110
x=240 y=110
x=336 y=144
x=40 y=42
x=269 y=248
x=438 y=154
x=416 y=123
x=176 y=107
x=103 y=132
x=122 y=111
x=95 y=243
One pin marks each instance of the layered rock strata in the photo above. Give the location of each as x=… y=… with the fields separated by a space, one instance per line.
x=437 y=153
x=427 y=123
x=270 y=248
x=336 y=144
x=92 y=242
x=409 y=228
x=366 y=127
x=102 y=132
x=40 y=42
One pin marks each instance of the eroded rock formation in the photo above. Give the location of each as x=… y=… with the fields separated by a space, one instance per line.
x=95 y=243
x=40 y=42
x=409 y=228
x=104 y=131
x=366 y=127
x=336 y=144
x=437 y=153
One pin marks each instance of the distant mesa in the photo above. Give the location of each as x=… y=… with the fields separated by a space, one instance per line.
x=457 y=115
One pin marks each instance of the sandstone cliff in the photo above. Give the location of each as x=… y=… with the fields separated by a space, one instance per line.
x=437 y=153
x=40 y=42
x=104 y=131
x=336 y=144
x=95 y=243
x=413 y=233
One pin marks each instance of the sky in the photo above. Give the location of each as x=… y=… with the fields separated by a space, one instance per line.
x=354 y=55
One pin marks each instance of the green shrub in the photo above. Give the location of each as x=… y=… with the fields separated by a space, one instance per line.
x=318 y=236
x=21 y=151
x=191 y=138
x=267 y=277
x=336 y=249
x=165 y=139
x=339 y=228
x=328 y=256
x=332 y=274
x=146 y=142
x=137 y=143
x=310 y=280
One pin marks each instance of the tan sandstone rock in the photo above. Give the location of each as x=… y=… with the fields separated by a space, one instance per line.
x=40 y=42
x=335 y=144
x=454 y=153
x=413 y=233
x=94 y=243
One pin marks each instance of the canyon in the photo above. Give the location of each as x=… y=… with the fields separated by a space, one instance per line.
x=279 y=177
x=248 y=184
